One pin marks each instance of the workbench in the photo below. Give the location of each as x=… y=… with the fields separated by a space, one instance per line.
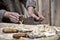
x=9 y=36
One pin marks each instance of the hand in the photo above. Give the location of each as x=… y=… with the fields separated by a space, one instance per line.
x=13 y=16
x=32 y=14
x=41 y=17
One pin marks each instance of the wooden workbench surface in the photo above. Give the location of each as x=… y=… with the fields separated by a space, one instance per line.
x=6 y=37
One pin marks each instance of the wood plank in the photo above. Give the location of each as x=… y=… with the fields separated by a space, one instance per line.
x=46 y=11
x=53 y=11
x=15 y=25
x=57 y=20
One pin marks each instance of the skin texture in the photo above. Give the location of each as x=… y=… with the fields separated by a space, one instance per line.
x=13 y=16
x=39 y=16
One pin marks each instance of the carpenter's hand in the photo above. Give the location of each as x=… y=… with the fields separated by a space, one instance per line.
x=13 y=16
x=32 y=12
x=41 y=17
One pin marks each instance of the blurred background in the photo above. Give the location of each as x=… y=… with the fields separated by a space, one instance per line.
x=51 y=11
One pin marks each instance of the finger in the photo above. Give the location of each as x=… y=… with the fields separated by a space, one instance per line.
x=39 y=13
x=41 y=19
x=13 y=20
x=34 y=16
x=37 y=18
x=14 y=17
x=15 y=14
x=40 y=16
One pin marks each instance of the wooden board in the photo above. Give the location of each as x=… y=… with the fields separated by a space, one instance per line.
x=57 y=19
x=46 y=11
x=15 y=25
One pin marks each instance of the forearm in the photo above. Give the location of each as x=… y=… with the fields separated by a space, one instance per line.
x=2 y=12
x=30 y=5
x=31 y=12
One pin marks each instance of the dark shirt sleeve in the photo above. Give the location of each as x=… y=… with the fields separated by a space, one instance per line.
x=28 y=3
x=31 y=3
x=9 y=4
x=1 y=14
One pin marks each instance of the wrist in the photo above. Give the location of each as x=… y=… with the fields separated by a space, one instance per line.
x=6 y=15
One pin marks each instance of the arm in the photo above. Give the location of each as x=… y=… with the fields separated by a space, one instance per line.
x=9 y=4
x=13 y=16
x=6 y=15
x=2 y=12
x=30 y=5
x=31 y=10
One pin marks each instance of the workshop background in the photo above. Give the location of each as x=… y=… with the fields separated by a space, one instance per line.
x=51 y=11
